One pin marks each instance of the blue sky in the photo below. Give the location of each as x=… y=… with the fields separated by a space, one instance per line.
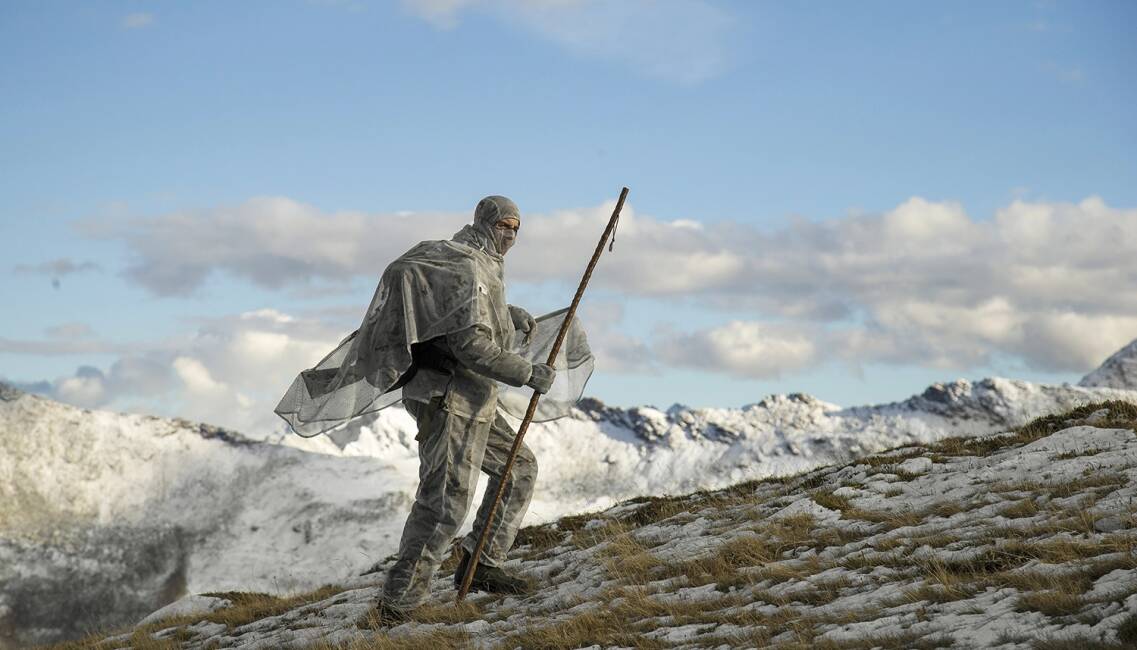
x=846 y=199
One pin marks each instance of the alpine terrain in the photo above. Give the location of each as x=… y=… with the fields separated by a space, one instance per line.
x=795 y=531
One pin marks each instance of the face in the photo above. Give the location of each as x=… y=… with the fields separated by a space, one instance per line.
x=505 y=232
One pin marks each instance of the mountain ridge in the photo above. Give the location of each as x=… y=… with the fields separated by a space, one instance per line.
x=1021 y=539
x=217 y=511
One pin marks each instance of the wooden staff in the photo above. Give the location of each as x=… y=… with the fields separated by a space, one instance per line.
x=473 y=564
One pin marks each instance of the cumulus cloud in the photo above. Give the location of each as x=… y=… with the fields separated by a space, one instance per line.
x=922 y=283
x=744 y=349
x=271 y=241
x=614 y=349
x=230 y=372
x=131 y=376
x=677 y=40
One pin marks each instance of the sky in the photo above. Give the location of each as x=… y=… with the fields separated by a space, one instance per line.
x=851 y=200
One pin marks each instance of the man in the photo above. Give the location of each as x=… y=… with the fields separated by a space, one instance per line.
x=453 y=398
x=439 y=336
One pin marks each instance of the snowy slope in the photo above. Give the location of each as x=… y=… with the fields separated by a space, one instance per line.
x=1023 y=540
x=108 y=516
x=1118 y=371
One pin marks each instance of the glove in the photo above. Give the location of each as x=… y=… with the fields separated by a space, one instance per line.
x=523 y=321
x=542 y=378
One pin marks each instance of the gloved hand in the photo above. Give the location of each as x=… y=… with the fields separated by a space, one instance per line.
x=542 y=378
x=523 y=321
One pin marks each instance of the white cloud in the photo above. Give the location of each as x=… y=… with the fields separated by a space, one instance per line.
x=231 y=372
x=745 y=349
x=137 y=20
x=196 y=376
x=87 y=388
x=615 y=350
x=271 y=241
x=678 y=40
x=923 y=283
x=142 y=374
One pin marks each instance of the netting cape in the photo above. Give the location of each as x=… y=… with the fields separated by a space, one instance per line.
x=434 y=289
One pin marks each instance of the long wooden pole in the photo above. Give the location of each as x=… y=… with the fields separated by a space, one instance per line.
x=473 y=563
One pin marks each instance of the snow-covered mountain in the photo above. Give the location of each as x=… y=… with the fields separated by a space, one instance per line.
x=1014 y=541
x=107 y=516
x=1118 y=371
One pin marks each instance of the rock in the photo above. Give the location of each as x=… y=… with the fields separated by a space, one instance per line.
x=1108 y=524
x=188 y=606
x=1097 y=416
x=919 y=465
x=807 y=506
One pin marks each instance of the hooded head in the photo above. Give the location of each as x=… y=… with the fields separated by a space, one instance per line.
x=498 y=219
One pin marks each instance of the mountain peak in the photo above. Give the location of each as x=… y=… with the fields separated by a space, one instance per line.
x=1118 y=371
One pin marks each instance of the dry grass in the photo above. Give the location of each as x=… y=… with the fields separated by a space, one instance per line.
x=1030 y=581
x=891 y=520
x=1075 y=453
x=1065 y=489
x=725 y=565
x=932 y=593
x=1051 y=603
x=792 y=570
x=428 y=640
x=872 y=560
x=656 y=509
x=944 y=509
x=821 y=592
x=140 y=639
x=899 y=641
x=629 y=560
x=1019 y=509
x=589 y=538
x=826 y=499
x=934 y=540
x=834 y=537
x=1065 y=550
x=449 y=613
x=793 y=530
x=1127 y=631
x=892 y=456
x=249 y=606
x=949 y=581
x=890 y=543
x=804 y=629
x=1122 y=415
x=601 y=626
x=1077 y=642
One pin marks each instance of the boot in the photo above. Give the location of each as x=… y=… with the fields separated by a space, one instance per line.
x=383 y=615
x=489 y=578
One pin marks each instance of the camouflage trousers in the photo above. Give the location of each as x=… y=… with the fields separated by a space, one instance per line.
x=452 y=449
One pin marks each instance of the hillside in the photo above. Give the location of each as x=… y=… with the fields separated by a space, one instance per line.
x=1024 y=539
x=105 y=517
